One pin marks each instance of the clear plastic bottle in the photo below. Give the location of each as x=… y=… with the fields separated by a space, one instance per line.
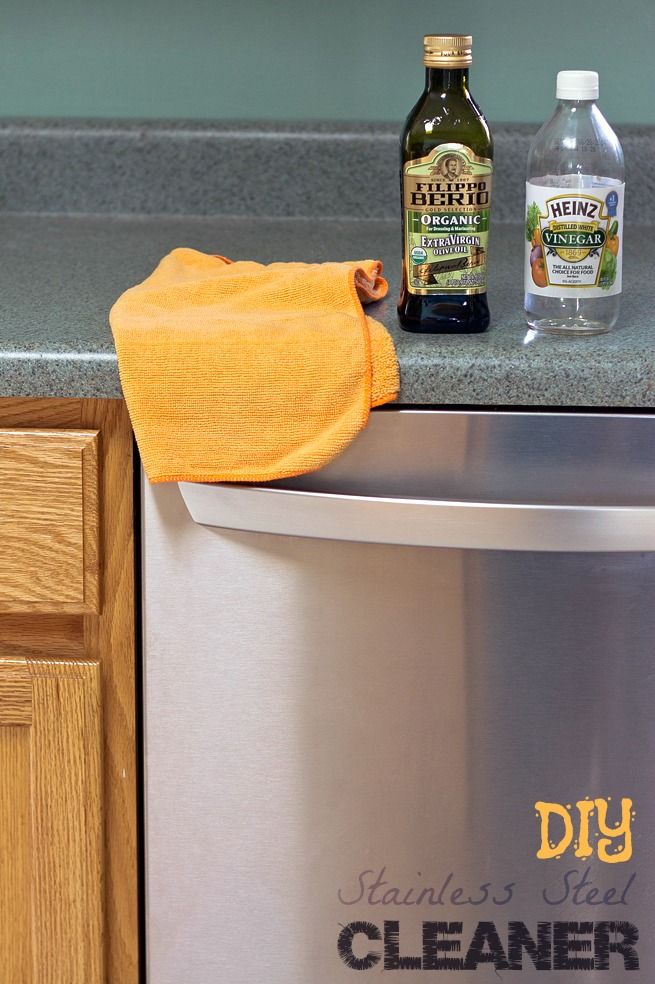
x=574 y=215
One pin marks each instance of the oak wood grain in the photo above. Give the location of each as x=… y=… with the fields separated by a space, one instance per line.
x=49 y=520
x=67 y=822
x=106 y=638
x=15 y=857
x=42 y=637
x=51 y=826
x=110 y=638
x=27 y=411
x=15 y=693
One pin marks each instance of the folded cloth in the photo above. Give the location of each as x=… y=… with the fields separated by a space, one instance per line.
x=242 y=372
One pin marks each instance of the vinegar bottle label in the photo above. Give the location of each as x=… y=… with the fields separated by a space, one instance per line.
x=446 y=207
x=574 y=239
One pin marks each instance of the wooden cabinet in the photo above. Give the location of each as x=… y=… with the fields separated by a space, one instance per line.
x=49 y=521
x=51 y=821
x=68 y=769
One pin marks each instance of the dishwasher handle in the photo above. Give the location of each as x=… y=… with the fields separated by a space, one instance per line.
x=422 y=522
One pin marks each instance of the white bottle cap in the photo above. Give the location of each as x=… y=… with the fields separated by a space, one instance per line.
x=577 y=85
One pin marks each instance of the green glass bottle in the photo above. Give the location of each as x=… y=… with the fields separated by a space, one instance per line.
x=446 y=172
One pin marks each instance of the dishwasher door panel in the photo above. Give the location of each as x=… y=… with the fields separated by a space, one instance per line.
x=345 y=743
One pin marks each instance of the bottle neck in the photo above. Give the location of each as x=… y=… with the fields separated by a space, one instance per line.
x=444 y=80
x=576 y=108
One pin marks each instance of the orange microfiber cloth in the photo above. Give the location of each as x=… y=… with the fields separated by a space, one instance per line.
x=242 y=372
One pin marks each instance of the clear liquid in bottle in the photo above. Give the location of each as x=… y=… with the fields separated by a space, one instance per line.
x=574 y=215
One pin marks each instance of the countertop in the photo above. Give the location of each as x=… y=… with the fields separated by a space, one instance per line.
x=59 y=276
x=88 y=207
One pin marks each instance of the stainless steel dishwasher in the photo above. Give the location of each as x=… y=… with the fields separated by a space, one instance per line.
x=399 y=713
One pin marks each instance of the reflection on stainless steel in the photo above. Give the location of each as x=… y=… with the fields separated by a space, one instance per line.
x=336 y=729
x=561 y=459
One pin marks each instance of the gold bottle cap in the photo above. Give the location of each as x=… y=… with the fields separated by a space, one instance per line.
x=447 y=50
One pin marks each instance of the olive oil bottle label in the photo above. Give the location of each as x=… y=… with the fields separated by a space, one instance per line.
x=447 y=199
x=574 y=238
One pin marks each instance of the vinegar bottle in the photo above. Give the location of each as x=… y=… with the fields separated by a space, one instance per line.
x=446 y=167
x=574 y=215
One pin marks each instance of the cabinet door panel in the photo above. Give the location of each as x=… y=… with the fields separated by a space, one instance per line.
x=51 y=870
x=49 y=521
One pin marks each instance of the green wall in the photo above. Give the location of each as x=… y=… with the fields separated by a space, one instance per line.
x=320 y=59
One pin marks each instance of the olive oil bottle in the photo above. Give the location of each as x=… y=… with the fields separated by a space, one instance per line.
x=446 y=171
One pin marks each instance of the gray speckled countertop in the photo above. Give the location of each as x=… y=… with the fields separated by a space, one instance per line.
x=60 y=274
x=61 y=267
